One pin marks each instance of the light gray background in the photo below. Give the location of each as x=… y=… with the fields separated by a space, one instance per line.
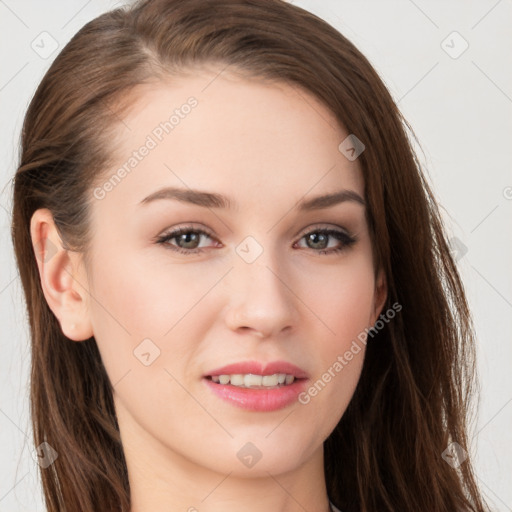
x=460 y=108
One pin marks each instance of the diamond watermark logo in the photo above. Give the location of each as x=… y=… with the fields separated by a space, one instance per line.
x=351 y=147
x=45 y=250
x=45 y=455
x=454 y=45
x=457 y=249
x=454 y=455
x=249 y=455
x=44 y=45
x=146 y=352
x=249 y=249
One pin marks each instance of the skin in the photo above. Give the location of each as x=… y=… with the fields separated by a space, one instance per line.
x=266 y=146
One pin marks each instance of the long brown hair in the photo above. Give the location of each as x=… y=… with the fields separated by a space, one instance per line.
x=412 y=399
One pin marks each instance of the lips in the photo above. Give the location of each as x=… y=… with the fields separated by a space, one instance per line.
x=257 y=368
x=259 y=398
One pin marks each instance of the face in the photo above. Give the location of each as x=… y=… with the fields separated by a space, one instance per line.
x=184 y=284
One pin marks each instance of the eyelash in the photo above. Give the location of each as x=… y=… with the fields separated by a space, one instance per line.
x=347 y=240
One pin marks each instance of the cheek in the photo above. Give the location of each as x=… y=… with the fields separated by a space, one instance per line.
x=345 y=305
x=344 y=301
x=147 y=300
x=134 y=302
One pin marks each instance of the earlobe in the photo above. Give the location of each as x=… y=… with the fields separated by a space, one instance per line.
x=62 y=278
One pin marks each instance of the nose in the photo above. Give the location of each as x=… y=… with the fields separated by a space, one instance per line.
x=261 y=299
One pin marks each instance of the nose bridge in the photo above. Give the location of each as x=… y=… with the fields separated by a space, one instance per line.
x=262 y=298
x=261 y=278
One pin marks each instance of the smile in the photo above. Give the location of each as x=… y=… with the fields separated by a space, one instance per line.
x=250 y=380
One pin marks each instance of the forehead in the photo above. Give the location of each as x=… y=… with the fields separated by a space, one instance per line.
x=250 y=139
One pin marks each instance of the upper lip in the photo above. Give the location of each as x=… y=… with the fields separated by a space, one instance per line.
x=258 y=368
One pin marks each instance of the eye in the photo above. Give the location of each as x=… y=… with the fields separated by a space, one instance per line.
x=319 y=240
x=187 y=240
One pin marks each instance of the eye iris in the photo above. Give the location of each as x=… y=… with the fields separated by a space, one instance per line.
x=188 y=238
x=315 y=237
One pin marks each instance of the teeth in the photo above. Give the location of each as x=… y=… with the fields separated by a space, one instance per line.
x=270 y=380
x=251 y=380
x=237 y=380
x=223 y=379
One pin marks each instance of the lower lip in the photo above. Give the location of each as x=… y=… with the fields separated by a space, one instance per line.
x=262 y=400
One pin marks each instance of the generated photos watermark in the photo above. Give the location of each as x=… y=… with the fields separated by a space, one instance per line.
x=343 y=360
x=156 y=136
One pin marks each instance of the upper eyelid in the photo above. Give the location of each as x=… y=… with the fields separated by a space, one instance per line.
x=185 y=229
x=204 y=231
x=319 y=227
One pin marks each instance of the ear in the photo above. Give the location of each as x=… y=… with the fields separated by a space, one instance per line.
x=380 y=295
x=63 y=277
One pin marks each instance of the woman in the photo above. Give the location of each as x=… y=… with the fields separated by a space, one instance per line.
x=239 y=288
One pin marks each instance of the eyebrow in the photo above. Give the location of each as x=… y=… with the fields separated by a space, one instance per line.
x=213 y=200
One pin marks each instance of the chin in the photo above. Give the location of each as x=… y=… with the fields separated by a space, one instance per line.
x=257 y=455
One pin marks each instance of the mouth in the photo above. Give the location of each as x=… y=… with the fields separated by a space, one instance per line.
x=254 y=381
x=256 y=387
